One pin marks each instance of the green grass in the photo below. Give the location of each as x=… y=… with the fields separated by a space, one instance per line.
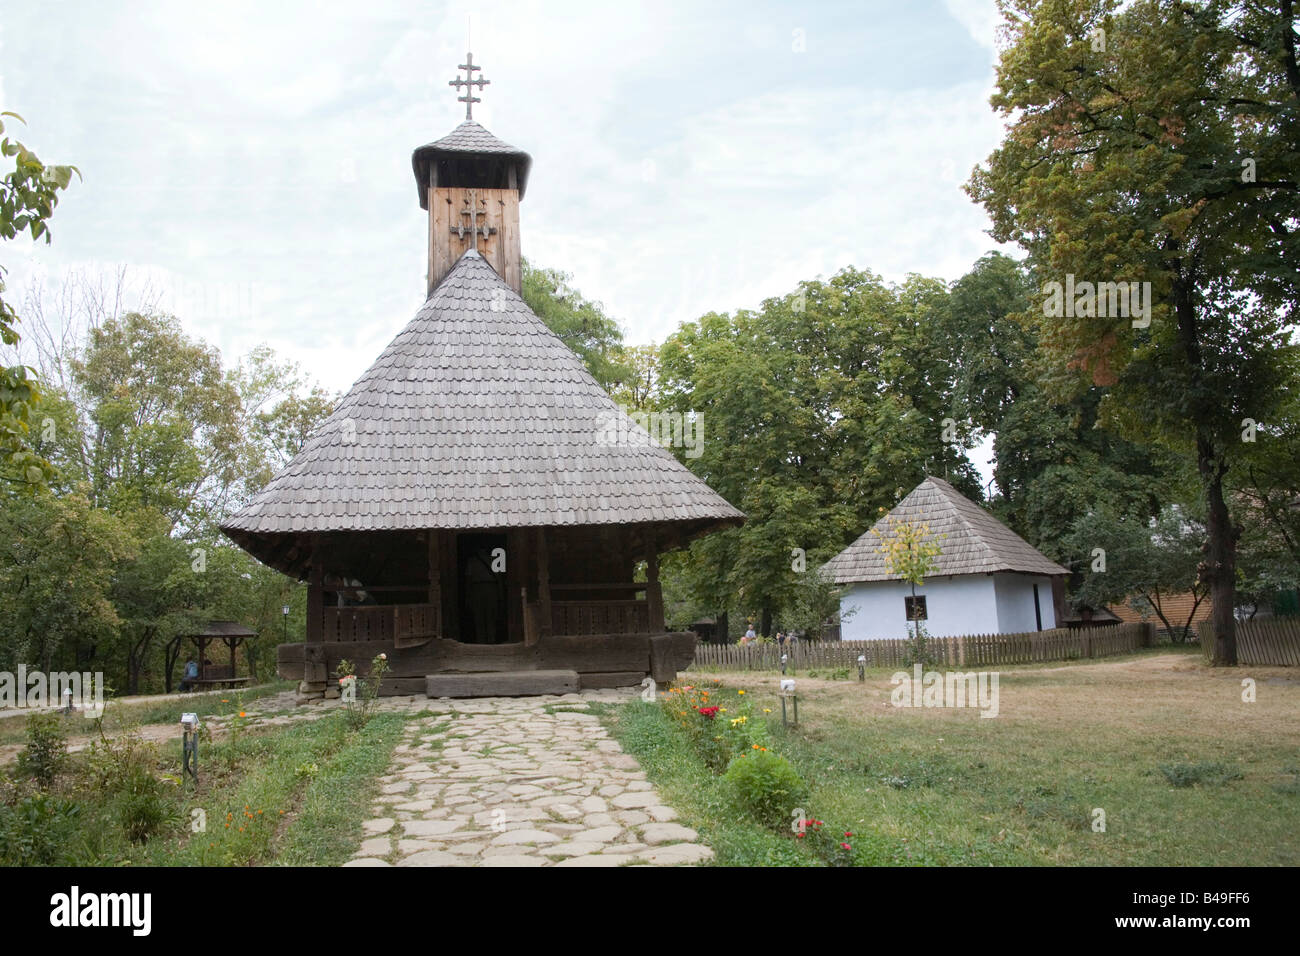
x=328 y=828
x=123 y=712
x=1185 y=772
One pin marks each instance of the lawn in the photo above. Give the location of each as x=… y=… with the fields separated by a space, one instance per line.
x=1186 y=772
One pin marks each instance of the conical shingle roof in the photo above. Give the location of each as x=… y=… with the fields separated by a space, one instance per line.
x=976 y=542
x=467 y=139
x=477 y=416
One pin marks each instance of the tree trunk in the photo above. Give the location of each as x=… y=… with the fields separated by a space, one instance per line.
x=720 y=630
x=765 y=622
x=1218 y=570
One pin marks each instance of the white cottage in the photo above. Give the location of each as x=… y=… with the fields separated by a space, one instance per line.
x=989 y=579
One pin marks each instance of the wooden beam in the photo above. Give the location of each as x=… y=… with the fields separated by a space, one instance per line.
x=315 y=597
x=435 y=576
x=543 y=584
x=654 y=592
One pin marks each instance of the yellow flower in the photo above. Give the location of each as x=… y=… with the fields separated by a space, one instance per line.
x=740 y=692
x=767 y=710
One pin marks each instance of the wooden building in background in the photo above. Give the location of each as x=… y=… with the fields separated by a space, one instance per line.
x=477 y=507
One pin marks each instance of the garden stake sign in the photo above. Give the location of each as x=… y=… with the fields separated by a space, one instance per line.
x=787 y=693
x=190 y=746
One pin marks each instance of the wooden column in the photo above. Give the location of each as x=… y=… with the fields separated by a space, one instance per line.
x=516 y=578
x=434 y=545
x=654 y=594
x=315 y=598
x=543 y=584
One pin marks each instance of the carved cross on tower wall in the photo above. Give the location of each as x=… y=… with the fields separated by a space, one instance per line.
x=474 y=229
x=469 y=99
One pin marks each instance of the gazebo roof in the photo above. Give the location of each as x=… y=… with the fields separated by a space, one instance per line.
x=476 y=416
x=224 y=629
x=976 y=542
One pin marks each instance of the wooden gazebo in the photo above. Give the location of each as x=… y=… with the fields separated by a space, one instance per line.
x=231 y=634
x=477 y=507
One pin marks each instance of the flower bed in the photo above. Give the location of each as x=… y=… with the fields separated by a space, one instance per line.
x=734 y=742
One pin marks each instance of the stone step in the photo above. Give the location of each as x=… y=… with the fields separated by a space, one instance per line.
x=502 y=684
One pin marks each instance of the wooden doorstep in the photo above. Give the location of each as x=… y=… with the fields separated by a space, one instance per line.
x=502 y=684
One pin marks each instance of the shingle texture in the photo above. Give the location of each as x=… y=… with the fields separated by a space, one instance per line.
x=477 y=416
x=471 y=137
x=976 y=542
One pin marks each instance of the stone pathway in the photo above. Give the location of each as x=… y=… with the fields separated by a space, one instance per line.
x=520 y=782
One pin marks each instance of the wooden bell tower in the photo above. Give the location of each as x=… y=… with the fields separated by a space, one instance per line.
x=471 y=184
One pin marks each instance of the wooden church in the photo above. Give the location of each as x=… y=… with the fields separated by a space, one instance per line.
x=477 y=507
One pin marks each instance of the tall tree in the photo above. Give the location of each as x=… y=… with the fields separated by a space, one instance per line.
x=1157 y=142
x=579 y=322
x=819 y=408
x=28 y=194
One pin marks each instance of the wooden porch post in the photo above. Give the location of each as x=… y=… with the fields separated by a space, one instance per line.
x=654 y=594
x=435 y=579
x=315 y=599
x=543 y=584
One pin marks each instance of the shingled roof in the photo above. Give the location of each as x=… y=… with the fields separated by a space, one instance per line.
x=472 y=139
x=976 y=542
x=476 y=416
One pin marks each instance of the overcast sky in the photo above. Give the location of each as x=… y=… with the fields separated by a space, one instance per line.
x=253 y=161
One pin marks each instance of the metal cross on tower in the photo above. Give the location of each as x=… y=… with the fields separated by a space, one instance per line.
x=469 y=99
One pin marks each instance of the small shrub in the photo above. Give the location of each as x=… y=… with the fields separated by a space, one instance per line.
x=34 y=831
x=359 y=709
x=46 y=752
x=766 y=785
x=1208 y=773
x=145 y=807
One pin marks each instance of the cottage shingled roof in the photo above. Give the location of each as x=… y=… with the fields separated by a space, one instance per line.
x=471 y=138
x=976 y=542
x=476 y=416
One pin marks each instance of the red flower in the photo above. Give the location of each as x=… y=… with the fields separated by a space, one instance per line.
x=846 y=846
x=799 y=836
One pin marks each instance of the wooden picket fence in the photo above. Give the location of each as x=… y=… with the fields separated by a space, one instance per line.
x=1270 y=641
x=970 y=650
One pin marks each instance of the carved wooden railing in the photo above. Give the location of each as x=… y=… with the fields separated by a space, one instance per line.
x=406 y=625
x=599 y=617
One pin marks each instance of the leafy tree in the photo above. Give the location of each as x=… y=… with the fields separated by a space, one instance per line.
x=1155 y=142
x=910 y=552
x=58 y=556
x=580 y=323
x=160 y=420
x=1145 y=564
x=28 y=194
x=819 y=408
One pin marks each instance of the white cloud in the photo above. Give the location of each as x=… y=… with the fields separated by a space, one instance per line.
x=268 y=149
